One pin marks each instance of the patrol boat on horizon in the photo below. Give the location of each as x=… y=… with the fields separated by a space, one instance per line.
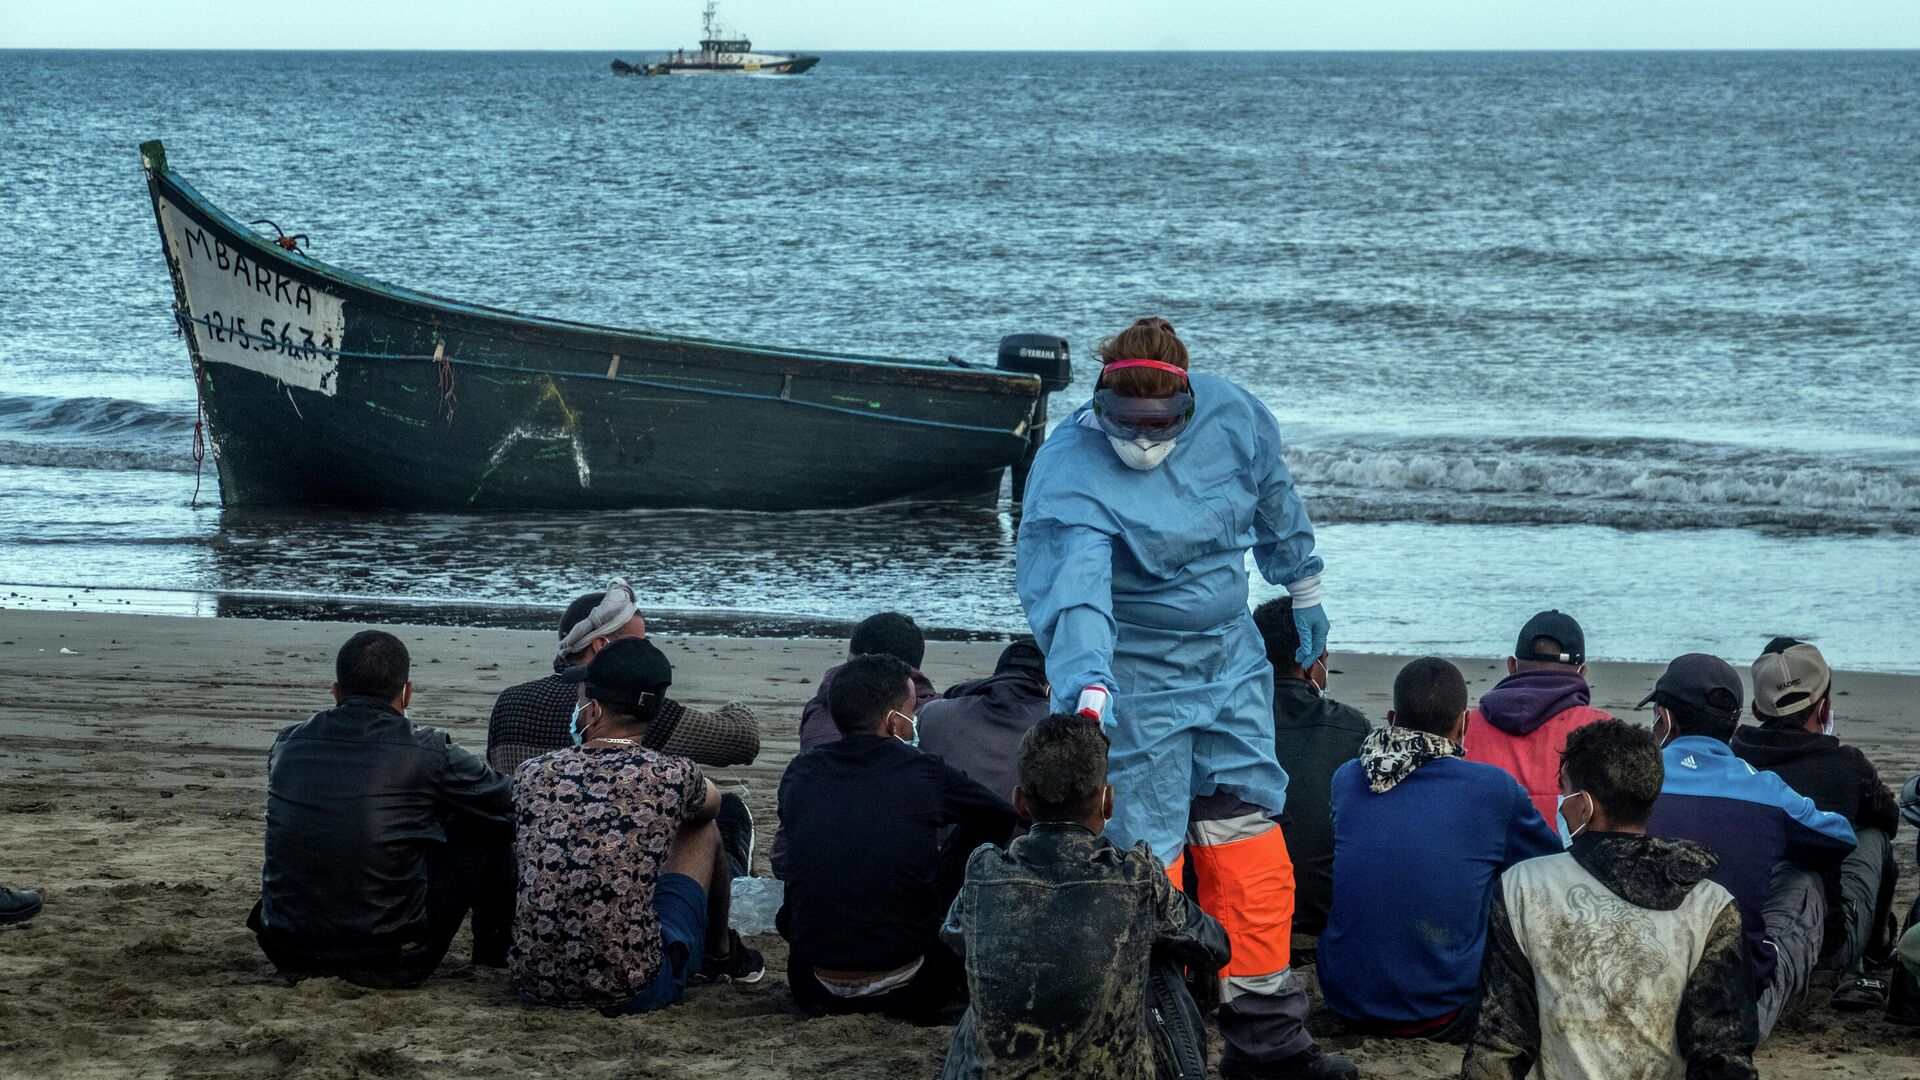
x=720 y=55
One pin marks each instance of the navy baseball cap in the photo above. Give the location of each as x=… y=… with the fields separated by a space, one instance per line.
x=1022 y=655
x=1559 y=626
x=630 y=671
x=1698 y=683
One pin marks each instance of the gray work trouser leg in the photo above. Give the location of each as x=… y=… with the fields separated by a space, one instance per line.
x=1267 y=1027
x=1867 y=879
x=1795 y=916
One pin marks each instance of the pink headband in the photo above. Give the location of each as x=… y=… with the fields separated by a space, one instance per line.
x=1159 y=365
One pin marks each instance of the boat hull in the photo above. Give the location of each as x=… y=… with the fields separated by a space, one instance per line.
x=786 y=65
x=322 y=387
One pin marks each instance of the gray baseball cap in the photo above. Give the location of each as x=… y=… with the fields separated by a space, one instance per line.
x=1789 y=678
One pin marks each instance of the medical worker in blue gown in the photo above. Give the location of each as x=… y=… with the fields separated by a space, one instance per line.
x=1139 y=514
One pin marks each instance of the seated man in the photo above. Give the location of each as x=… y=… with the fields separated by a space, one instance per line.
x=1793 y=700
x=530 y=719
x=1059 y=929
x=381 y=836
x=867 y=879
x=1772 y=842
x=624 y=887
x=1420 y=838
x=1617 y=958
x=977 y=726
x=1313 y=735
x=1522 y=723
x=888 y=633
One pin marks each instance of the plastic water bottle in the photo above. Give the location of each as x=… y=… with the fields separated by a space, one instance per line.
x=756 y=900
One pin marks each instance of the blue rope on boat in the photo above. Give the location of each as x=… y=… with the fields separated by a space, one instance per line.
x=185 y=319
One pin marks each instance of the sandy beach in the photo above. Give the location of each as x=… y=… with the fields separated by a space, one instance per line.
x=132 y=760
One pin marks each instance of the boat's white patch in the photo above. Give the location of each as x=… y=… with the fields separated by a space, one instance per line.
x=565 y=429
x=248 y=314
x=529 y=433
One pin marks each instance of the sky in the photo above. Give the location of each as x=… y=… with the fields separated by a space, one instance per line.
x=826 y=25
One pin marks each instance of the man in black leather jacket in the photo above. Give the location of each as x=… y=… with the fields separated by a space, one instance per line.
x=1058 y=930
x=381 y=836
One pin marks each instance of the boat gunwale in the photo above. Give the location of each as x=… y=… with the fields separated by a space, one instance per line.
x=989 y=380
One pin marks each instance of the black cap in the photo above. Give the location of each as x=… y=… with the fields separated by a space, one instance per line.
x=627 y=672
x=1022 y=655
x=1560 y=627
x=1699 y=683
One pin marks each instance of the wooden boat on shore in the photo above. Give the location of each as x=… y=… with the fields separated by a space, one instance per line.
x=320 y=386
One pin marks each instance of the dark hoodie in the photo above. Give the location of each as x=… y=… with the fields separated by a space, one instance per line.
x=1523 y=701
x=1838 y=778
x=1522 y=724
x=977 y=726
x=1715 y=1027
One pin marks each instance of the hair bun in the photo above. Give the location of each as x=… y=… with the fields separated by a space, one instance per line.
x=1149 y=338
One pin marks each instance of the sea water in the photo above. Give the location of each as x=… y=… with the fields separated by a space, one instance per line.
x=1632 y=335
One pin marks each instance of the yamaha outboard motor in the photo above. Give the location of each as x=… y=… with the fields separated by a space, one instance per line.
x=1046 y=356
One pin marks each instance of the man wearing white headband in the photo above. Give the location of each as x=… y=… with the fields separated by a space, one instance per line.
x=532 y=718
x=614 y=614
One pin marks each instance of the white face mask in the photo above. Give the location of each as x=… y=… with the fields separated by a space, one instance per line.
x=1827 y=728
x=1142 y=454
x=912 y=722
x=1560 y=814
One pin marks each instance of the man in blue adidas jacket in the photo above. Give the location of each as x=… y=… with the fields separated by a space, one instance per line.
x=1771 y=841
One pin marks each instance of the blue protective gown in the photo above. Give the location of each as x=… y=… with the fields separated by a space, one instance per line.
x=1137 y=581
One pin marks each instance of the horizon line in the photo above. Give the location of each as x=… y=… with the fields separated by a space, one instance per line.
x=1006 y=52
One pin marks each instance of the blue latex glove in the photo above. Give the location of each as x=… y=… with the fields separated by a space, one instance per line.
x=1311 y=622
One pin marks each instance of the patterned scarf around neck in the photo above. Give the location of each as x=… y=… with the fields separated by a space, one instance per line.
x=1390 y=754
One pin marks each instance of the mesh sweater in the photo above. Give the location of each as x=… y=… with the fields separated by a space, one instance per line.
x=530 y=719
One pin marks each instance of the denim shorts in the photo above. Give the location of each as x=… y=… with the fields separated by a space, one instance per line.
x=681 y=905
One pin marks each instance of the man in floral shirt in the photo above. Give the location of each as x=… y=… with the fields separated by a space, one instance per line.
x=624 y=886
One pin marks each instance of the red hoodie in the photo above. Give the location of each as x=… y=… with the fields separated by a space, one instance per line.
x=1522 y=725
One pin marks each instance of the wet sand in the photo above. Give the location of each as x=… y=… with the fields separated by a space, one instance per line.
x=132 y=787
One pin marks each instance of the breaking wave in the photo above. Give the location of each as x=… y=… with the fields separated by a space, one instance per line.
x=94 y=433
x=1625 y=483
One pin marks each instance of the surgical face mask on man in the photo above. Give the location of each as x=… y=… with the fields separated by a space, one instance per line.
x=1560 y=816
x=573 y=724
x=1142 y=454
x=911 y=723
